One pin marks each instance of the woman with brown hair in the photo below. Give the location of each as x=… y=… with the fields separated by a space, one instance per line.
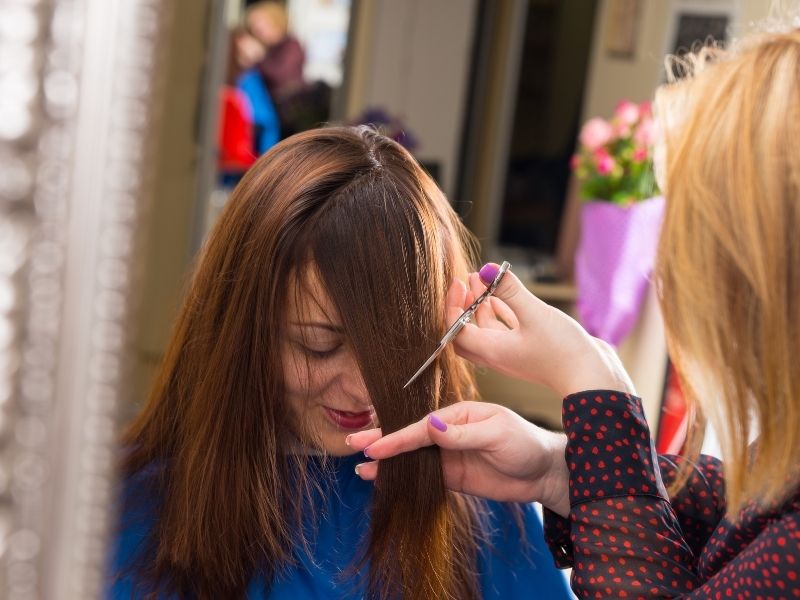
x=320 y=289
x=631 y=523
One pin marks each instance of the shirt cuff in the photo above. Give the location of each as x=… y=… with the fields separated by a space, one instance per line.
x=609 y=451
x=557 y=537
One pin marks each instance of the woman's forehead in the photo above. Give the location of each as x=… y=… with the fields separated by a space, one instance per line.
x=308 y=300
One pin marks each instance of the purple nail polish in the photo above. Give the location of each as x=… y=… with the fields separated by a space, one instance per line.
x=488 y=272
x=437 y=422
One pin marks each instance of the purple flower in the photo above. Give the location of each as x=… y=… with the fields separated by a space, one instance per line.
x=392 y=127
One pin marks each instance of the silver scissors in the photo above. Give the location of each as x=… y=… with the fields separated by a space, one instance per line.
x=465 y=318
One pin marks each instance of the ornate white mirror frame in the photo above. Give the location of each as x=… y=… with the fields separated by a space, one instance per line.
x=80 y=85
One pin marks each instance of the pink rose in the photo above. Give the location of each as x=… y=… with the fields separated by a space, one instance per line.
x=644 y=135
x=605 y=164
x=646 y=109
x=622 y=130
x=627 y=112
x=595 y=133
x=640 y=154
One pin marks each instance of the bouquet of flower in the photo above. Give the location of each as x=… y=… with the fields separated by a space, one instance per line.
x=614 y=162
x=620 y=223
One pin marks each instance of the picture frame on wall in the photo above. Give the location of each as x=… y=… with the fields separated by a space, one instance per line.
x=694 y=23
x=693 y=28
x=622 y=28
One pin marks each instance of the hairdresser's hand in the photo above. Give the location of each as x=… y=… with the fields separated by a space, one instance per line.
x=487 y=451
x=517 y=334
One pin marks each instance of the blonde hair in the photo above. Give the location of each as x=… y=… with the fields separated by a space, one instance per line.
x=728 y=266
x=274 y=10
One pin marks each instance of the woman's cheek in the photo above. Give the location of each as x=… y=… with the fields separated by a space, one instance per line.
x=296 y=371
x=308 y=376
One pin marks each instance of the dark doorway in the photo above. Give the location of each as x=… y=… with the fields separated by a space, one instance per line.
x=549 y=98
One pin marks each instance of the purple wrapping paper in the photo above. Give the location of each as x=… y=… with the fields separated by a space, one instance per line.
x=613 y=264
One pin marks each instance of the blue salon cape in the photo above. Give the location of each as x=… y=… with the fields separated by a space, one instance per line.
x=506 y=569
x=265 y=117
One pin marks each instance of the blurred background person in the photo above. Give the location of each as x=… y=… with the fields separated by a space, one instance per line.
x=301 y=104
x=249 y=124
x=284 y=57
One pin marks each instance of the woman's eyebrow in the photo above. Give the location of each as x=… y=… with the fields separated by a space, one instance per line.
x=319 y=325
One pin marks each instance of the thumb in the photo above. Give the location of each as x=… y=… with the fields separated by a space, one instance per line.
x=513 y=292
x=469 y=436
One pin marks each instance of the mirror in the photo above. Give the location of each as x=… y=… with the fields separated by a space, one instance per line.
x=108 y=154
x=124 y=125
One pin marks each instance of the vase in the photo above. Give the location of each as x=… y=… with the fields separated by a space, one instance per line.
x=613 y=264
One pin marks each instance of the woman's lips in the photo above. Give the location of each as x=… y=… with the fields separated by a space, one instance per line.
x=349 y=420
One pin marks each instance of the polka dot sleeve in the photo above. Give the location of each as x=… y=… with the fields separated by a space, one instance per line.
x=625 y=538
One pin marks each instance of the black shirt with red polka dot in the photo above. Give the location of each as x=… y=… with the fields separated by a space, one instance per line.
x=625 y=538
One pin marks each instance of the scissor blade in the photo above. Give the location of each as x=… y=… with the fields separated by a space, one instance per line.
x=425 y=365
x=459 y=323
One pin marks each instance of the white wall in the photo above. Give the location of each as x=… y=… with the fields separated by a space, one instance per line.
x=611 y=79
x=321 y=26
x=416 y=66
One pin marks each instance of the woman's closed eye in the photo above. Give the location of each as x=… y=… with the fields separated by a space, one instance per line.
x=320 y=351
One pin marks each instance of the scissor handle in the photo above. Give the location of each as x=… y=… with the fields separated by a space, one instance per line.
x=498 y=278
x=489 y=290
x=456 y=327
x=466 y=316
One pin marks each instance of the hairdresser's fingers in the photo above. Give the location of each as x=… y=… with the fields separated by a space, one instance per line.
x=418 y=434
x=527 y=307
x=503 y=313
x=484 y=434
x=362 y=439
x=484 y=316
x=411 y=437
x=367 y=470
x=483 y=345
x=457 y=295
x=453 y=312
x=469 y=299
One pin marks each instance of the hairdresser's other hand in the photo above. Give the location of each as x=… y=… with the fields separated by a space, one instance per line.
x=517 y=334
x=487 y=451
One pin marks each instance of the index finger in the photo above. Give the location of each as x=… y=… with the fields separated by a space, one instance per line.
x=362 y=439
x=417 y=435
x=411 y=437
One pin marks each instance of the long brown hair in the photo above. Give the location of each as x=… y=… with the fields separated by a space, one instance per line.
x=729 y=258
x=356 y=207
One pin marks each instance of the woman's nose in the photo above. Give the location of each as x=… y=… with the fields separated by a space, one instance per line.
x=353 y=383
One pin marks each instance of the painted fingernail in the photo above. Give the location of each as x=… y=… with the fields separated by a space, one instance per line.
x=358 y=466
x=488 y=272
x=365 y=452
x=347 y=439
x=437 y=422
